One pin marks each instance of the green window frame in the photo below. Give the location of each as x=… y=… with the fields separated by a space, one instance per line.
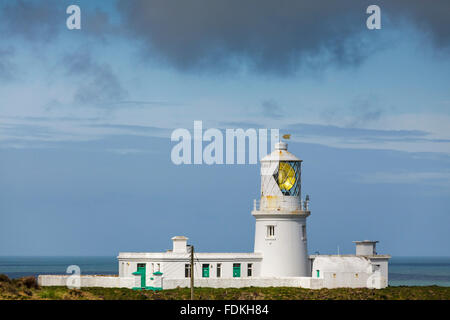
x=205 y=270
x=236 y=270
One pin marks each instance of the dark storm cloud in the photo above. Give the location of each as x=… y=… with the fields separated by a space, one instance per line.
x=431 y=17
x=270 y=36
x=267 y=36
x=98 y=84
x=31 y=19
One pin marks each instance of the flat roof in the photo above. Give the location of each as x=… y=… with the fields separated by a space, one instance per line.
x=375 y=256
x=186 y=255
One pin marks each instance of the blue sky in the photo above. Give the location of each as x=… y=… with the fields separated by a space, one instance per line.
x=86 y=117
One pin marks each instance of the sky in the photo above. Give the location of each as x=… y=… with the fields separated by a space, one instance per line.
x=86 y=118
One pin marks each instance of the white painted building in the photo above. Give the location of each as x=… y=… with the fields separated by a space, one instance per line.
x=280 y=256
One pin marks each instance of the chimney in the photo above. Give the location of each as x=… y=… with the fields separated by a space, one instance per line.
x=179 y=244
x=366 y=248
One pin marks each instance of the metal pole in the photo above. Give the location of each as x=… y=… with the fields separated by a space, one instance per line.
x=192 y=272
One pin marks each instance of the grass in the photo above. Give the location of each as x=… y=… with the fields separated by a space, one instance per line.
x=27 y=288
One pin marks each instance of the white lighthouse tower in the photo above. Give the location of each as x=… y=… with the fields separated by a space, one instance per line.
x=280 y=231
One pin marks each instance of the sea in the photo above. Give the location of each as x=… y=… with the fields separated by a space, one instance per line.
x=403 y=271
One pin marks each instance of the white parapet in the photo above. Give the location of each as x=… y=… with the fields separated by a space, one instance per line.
x=120 y=282
x=298 y=282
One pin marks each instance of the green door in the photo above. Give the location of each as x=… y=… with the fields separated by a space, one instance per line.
x=205 y=271
x=141 y=271
x=236 y=270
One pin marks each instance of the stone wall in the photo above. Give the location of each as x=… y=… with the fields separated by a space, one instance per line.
x=120 y=282
x=87 y=281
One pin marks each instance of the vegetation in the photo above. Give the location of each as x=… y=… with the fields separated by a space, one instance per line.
x=27 y=288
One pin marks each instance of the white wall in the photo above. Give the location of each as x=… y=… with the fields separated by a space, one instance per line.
x=365 y=248
x=173 y=266
x=87 y=281
x=110 y=282
x=284 y=255
x=304 y=282
x=350 y=271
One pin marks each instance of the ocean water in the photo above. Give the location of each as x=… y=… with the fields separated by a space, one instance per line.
x=403 y=271
x=419 y=271
x=16 y=267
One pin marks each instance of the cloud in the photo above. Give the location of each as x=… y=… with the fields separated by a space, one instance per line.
x=429 y=17
x=263 y=36
x=6 y=66
x=266 y=35
x=132 y=129
x=239 y=124
x=359 y=138
x=45 y=131
x=98 y=24
x=303 y=129
x=361 y=111
x=127 y=151
x=441 y=179
x=271 y=109
x=144 y=103
x=98 y=84
x=32 y=19
x=43 y=21
x=270 y=36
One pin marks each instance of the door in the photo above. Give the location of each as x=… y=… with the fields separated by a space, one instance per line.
x=141 y=271
x=205 y=270
x=236 y=270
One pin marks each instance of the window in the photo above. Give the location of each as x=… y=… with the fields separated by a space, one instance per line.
x=334 y=275
x=318 y=273
x=303 y=232
x=356 y=275
x=249 y=269
x=205 y=270
x=236 y=270
x=153 y=268
x=158 y=267
x=219 y=270
x=288 y=177
x=187 y=270
x=270 y=231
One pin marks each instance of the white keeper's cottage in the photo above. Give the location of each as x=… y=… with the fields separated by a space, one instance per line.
x=280 y=256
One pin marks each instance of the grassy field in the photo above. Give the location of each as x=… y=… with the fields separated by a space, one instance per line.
x=27 y=288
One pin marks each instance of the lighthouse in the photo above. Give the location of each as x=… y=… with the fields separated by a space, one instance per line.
x=280 y=228
x=279 y=259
